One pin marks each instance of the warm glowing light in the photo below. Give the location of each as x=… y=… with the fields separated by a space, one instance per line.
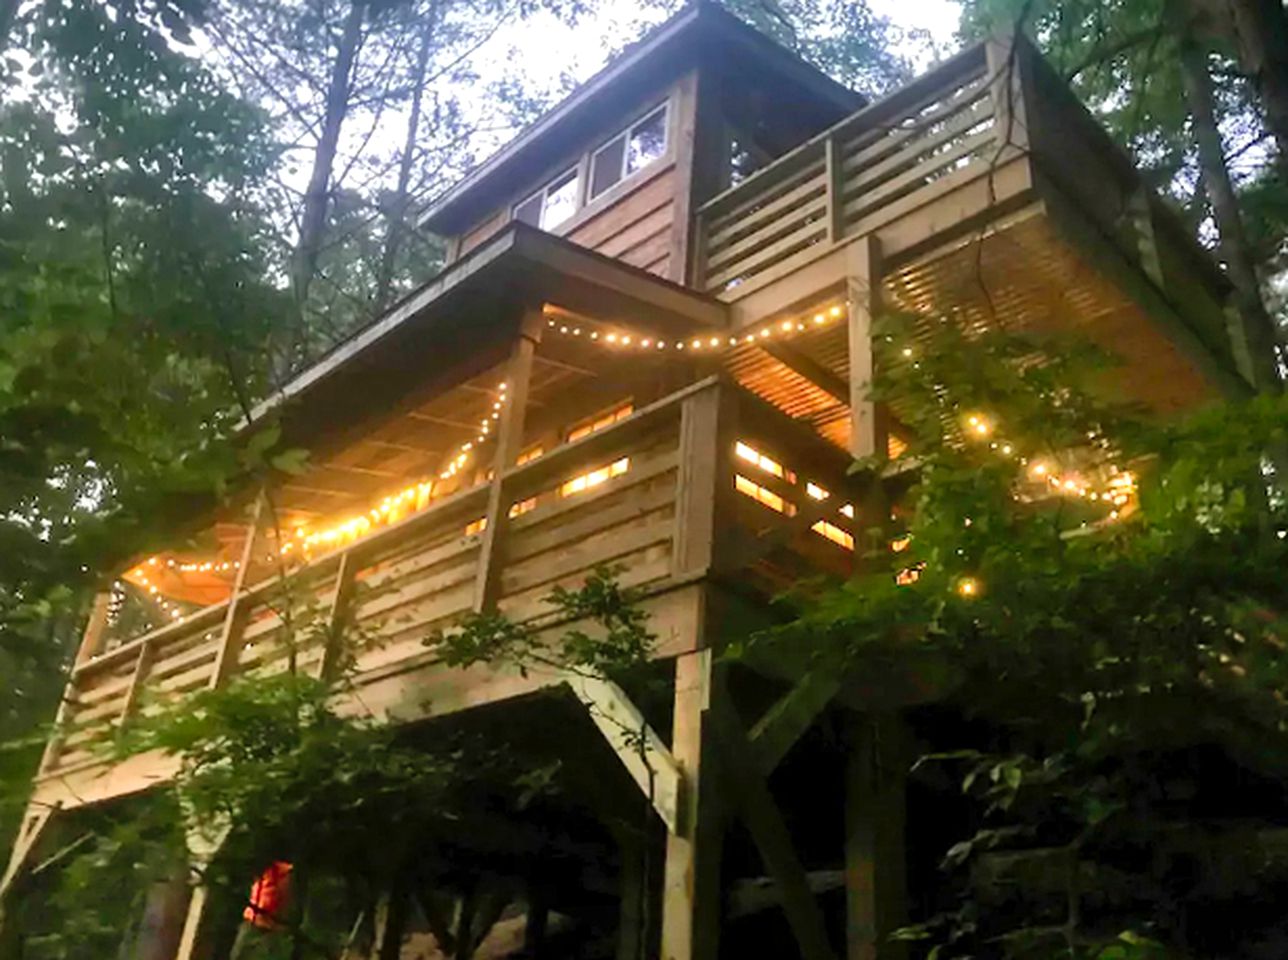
x=968 y=587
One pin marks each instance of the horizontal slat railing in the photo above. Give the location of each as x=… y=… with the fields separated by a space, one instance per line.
x=400 y=583
x=870 y=168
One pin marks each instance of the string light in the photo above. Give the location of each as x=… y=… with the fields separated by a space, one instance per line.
x=968 y=587
x=626 y=340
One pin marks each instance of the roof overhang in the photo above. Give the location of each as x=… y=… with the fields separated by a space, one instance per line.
x=699 y=29
x=428 y=338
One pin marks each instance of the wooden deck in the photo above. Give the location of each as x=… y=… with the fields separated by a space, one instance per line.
x=709 y=480
x=989 y=194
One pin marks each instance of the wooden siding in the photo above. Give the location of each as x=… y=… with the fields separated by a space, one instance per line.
x=636 y=228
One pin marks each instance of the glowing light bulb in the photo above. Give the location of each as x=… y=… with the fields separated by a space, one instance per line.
x=968 y=587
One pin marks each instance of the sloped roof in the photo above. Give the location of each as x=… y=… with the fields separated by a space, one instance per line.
x=699 y=29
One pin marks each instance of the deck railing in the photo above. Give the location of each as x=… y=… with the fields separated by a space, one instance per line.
x=870 y=168
x=655 y=493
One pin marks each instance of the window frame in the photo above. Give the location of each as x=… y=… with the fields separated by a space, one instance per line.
x=625 y=136
x=562 y=178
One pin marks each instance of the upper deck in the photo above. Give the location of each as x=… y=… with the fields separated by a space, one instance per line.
x=592 y=414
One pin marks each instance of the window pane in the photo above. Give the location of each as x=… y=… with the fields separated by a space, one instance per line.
x=606 y=168
x=648 y=141
x=529 y=211
x=561 y=200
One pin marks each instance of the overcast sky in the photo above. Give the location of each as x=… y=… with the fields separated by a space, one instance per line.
x=547 y=48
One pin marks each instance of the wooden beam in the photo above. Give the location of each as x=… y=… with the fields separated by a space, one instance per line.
x=1006 y=56
x=786 y=721
x=509 y=442
x=809 y=368
x=863 y=288
x=33 y=826
x=750 y=794
x=875 y=867
x=235 y=618
x=337 y=620
x=636 y=744
x=202 y=847
x=691 y=876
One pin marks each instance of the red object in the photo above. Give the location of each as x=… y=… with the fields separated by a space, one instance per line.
x=269 y=896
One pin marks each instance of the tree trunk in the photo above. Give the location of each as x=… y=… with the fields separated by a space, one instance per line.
x=1260 y=33
x=1257 y=328
x=399 y=205
x=317 y=195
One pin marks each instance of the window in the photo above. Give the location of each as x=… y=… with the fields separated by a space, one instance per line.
x=601 y=420
x=527 y=456
x=769 y=465
x=594 y=478
x=831 y=531
x=763 y=495
x=631 y=150
x=552 y=204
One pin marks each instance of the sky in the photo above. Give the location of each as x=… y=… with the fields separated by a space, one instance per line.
x=582 y=49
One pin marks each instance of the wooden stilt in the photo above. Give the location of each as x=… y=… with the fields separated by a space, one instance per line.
x=194 y=939
x=165 y=913
x=875 y=869
x=691 y=879
x=632 y=931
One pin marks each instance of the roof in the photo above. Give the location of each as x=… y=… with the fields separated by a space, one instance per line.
x=699 y=28
x=454 y=317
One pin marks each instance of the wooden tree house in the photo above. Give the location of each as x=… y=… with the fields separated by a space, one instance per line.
x=650 y=348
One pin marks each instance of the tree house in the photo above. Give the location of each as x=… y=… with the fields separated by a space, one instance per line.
x=650 y=349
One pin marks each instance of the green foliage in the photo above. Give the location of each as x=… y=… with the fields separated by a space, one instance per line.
x=620 y=641
x=1108 y=669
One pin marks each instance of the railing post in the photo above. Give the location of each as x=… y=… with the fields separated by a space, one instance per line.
x=95 y=629
x=509 y=442
x=91 y=643
x=1006 y=57
x=235 y=619
x=702 y=487
x=338 y=616
x=141 y=667
x=834 y=157
x=863 y=294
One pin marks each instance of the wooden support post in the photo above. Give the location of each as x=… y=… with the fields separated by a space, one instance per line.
x=632 y=932
x=835 y=179
x=337 y=620
x=875 y=868
x=746 y=784
x=165 y=911
x=195 y=935
x=691 y=877
x=863 y=293
x=705 y=483
x=701 y=160
x=509 y=442
x=230 y=636
x=95 y=629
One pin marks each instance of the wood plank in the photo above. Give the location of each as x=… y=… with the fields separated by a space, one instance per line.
x=234 y=620
x=784 y=723
x=875 y=867
x=646 y=758
x=509 y=443
x=750 y=794
x=804 y=213
x=691 y=875
x=863 y=284
x=811 y=237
